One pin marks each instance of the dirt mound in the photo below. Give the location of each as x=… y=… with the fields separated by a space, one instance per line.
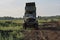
x=42 y=35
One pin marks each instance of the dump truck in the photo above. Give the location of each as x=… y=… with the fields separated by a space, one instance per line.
x=30 y=20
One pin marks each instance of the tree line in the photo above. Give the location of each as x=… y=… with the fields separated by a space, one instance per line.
x=9 y=18
x=39 y=17
x=49 y=17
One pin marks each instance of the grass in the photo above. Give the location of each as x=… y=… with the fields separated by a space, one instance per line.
x=20 y=22
x=15 y=29
x=11 y=28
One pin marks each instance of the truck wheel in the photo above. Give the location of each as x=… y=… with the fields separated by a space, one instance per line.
x=24 y=26
x=36 y=26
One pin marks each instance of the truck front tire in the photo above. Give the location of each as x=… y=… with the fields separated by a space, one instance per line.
x=24 y=26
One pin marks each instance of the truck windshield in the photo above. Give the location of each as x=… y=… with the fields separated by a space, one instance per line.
x=30 y=12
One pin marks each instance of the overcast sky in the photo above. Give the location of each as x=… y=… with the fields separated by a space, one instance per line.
x=16 y=8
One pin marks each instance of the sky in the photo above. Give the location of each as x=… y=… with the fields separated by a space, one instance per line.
x=16 y=8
